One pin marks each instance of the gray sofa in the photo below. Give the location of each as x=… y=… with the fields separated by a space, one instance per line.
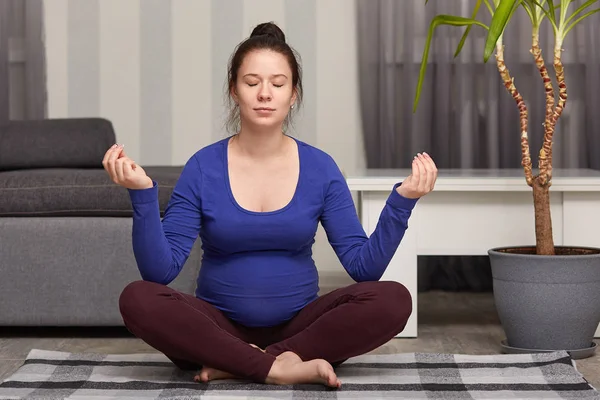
x=65 y=228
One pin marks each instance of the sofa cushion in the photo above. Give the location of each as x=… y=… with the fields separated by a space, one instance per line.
x=75 y=192
x=55 y=143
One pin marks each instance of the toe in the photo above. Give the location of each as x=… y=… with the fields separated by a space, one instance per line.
x=204 y=376
x=334 y=381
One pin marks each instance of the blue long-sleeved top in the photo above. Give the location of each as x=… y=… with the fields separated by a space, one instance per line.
x=257 y=267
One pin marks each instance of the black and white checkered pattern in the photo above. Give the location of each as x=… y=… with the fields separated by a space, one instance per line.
x=59 y=375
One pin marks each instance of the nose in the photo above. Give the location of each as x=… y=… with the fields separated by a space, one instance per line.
x=264 y=94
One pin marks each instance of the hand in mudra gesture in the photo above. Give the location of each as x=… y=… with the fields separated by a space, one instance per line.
x=422 y=179
x=124 y=171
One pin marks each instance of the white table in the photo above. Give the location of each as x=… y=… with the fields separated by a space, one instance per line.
x=471 y=211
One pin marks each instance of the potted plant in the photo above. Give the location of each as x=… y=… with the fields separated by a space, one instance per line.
x=547 y=296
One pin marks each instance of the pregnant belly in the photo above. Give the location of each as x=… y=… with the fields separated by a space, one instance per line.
x=258 y=290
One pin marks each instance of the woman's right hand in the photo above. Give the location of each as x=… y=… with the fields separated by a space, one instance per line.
x=124 y=171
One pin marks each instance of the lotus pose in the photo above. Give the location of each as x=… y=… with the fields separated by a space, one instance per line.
x=255 y=200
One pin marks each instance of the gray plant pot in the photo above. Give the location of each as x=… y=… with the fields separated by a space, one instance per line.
x=547 y=302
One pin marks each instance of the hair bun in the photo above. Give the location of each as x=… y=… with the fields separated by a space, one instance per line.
x=268 y=29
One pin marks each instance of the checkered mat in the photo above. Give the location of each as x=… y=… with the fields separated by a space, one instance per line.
x=58 y=375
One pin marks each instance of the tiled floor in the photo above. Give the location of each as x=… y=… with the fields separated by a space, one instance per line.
x=448 y=322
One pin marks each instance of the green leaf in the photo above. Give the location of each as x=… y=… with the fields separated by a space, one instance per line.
x=552 y=10
x=550 y=14
x=464 y=36
x=579 y=10
x=530 y=9
x=500 y=19
x=579 y=20
x=564 y=6
x=489 y=7
x=439 y=20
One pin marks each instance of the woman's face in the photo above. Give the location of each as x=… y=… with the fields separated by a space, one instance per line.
x=264 y=91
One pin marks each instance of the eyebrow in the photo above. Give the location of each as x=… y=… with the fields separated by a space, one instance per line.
x=273 y=76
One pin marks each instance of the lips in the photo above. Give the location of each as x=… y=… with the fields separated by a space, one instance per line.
x=264 y=109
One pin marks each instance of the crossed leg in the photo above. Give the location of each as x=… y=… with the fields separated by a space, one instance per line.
x=192 y=333
x=347 y=322
x=344 y=323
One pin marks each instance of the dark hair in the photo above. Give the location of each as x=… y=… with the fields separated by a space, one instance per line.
x=264 y=36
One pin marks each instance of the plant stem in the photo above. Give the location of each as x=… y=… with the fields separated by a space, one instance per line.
x=541 y=185
x=545 y=157
x=562 y=86
x=542 y=182
x=541 y=190
x=562 y=91
x=523 y=114
x=543 y=220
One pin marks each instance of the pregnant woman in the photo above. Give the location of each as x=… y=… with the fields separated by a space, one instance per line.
x=255 y=200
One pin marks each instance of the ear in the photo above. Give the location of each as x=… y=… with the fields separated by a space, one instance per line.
x=294 y=97
x=233 y=93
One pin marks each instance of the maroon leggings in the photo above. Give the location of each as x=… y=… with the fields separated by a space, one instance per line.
x=341 y=324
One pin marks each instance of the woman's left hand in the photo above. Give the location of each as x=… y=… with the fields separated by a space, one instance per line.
x=422 y=179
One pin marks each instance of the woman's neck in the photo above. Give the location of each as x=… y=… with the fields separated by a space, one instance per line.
x=260 y=144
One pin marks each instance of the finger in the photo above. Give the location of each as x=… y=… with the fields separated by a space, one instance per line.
x=119 y=169
x=429 y=168
x=422 y=175
x=112 y=159
x=415 y=172
x=128 y=172
x=424 y=184
x=433 y=170
x=123 y=154
x=107 y=154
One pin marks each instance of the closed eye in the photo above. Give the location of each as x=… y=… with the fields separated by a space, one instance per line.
x=254 y=84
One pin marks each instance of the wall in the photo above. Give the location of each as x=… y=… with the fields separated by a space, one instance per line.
x=22 y=68
x=156 y=69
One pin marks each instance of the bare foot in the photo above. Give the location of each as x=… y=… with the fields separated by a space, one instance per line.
x=289 y=369
x=210 y=374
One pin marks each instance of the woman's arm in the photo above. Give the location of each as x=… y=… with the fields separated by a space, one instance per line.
x=366 y=258
x=161 y=248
